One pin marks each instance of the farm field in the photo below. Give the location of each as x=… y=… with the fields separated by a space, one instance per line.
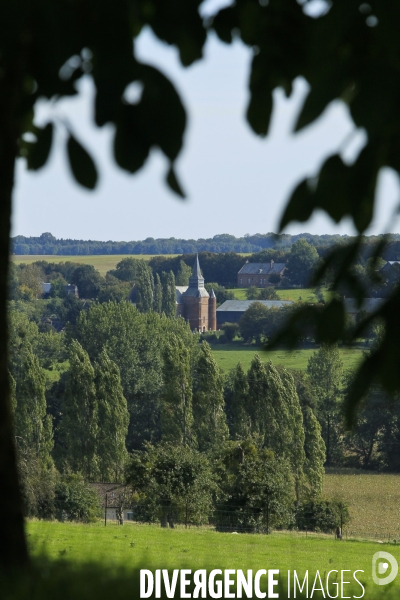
x=228 y=356
x=374 y=500
x=149 y=546
x=304 y=295
x=102 y=262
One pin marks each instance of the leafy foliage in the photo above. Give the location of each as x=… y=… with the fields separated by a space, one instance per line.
x=322 y=515
x=256 y=486
x=173 y=480
x=325 y=370
x=208 y=401
x=75 y=500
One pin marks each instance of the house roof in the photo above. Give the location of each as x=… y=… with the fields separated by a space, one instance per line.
x=196 y=279
x=180 y=289
x=243 y=305
x=369 y=305
x=262 y=268
x=112 y=490
x=389 y=264
x=199 y=292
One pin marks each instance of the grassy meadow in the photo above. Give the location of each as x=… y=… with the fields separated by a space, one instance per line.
x=228 y=356
x=102 y=262
x=115 y=553
x=148 y=546
x=373 y=498
x=296 y=295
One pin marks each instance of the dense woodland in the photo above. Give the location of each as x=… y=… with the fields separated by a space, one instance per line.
x=48 y=244
x=111 y=386
x=302 y=259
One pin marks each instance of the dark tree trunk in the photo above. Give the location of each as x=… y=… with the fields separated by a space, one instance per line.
x=13 y=549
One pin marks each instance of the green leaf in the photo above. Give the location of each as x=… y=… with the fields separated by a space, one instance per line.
x=131 y=142
x=332 y=192
x=159 y=119
x=174 y=184
x=325 y=90
x=224 y=22
x=162 y=111
x=38 y=152
x=81 y=163
x=260 y=106
x=300 y=205
x=362 y=184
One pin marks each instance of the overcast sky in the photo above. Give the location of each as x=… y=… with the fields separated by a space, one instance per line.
x=235 y=182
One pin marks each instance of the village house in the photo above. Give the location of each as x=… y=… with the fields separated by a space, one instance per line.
x=69 y=288
x=231 y=310
x=259 y=274
x=115 y=500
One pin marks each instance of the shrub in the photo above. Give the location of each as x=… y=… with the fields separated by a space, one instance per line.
x=75 y=500
x=230 y=331
x=322 y=515
x=274 y=278
x=252 y=293
x=269 y=293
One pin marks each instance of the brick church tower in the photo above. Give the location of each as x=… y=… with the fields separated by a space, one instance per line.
x=198 y=307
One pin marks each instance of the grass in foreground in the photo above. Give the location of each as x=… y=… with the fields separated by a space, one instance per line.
x=228 y=356
x=148 y=546
x=102 y=262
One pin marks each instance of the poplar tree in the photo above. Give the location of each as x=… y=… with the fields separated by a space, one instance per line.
x=295 y=431
x=208 y=400
x=169 y=294
x=314 y=446
x=145 y=288
x=267 y=409
x=176 y=409
x=315 y=452
x=240 y=397
x=113 y=419
x=158 y=295
x=34 y=434
x=33 y=427
x=275 y=415
x=79 y=425
x=325 y=370
x=183 y=274
x=256 y=377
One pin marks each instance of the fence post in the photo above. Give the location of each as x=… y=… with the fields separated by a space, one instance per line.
x=105 y=513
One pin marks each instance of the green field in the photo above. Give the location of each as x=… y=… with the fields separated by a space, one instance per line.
x=148 y=546
x=102 y=262
x=296 y=295
x=374 y=500
x=228 y=356
x=115 y=551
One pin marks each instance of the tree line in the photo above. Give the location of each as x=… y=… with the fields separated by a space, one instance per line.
x=48 y=244
x=128 y=386
x=302 y=260
x=119 y=390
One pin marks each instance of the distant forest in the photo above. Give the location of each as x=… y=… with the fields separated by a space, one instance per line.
x=48 y=244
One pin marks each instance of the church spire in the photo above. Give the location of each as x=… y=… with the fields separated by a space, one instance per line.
x=196 y=280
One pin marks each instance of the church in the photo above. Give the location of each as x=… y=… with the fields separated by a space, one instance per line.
x=195 y=304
